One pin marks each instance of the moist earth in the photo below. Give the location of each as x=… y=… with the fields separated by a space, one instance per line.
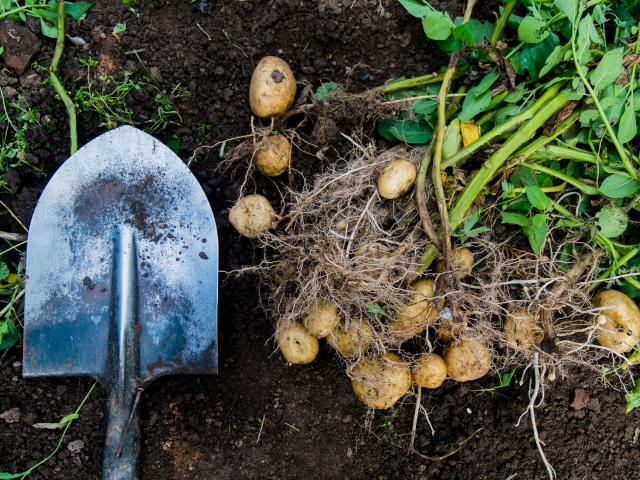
x=259 y=418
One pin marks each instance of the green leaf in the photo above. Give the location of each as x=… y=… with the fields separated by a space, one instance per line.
x=609 y=68
x=5 y=4
x=174 y=144
x=569 y=7
x=611 y=222
x=417 y=8
x=409 y=131
x=516 y=95
x=384 y=129
x=619 y=186
x=452 y=139
x=532 y=30
x=76 y=9
x=48 y=30
x=464 y=33
x=633 y=398
x=119 y=28
x=516 y=219
x=479 y=97
x=437 y=25
x=425 y=106
x=538 y=198
x=326 y=90
x=375 y=310
x=556 y=57
x=533 y=56
x=627 y=129
x=4 y=271
x=587 y=34
x=537 y=232
x=8 y=334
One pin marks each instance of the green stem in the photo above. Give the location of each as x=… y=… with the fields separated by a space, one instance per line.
x=557 y=152
x=583 y=187
x=488 y=170
x=20 y=9
x=414 y=82
x=513 y=122
x=502 y=21
x=57 y=84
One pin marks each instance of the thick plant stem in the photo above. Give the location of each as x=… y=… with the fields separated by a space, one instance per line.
x=414 y=82
x=502 y=21
x=57 y=84
x=511 y=124
x=421 y=198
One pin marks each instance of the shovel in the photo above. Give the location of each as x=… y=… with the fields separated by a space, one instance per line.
x=121 y=278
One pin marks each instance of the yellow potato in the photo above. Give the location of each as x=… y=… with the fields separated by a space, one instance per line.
x=396 y=178
x=353 y=340
x=380 y=381
x=252 y=215
x=521 y=331
x=467 y=360
x=462 y=262
x=429 y=371
x=321 y=319
x=413 y=318
x=619 y=321
x=296 y=344
x=272 y=157
x=272 y=89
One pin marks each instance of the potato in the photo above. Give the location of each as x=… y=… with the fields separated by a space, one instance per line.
x=272 y=156
x=321 y=319
x=467 y=360
x=448 y=330
x=521 y=331
x=396 y=178
x=372 y=254
x=296 y=344
x=415 y=317
x=619 y=322
x=252 y=215
x=353 y=340
x=272 y=89
x=429 y=371
x=380 y=381
x=462 y=262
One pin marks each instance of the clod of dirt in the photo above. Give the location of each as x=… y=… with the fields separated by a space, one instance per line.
x=11 y=416
x=580 y=399
x=20 y=45
x=75 y=446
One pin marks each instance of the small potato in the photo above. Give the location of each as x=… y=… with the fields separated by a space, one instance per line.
x=353 y=340
x=296 y=344
x=415 y=317
x=429 y=371
x=321 y=319
x=272 y=157
x=467 y=360
x=252 y=215
x=396 y=178
x=370 y=258
x=462 y=263
x=619 y=321
x=521 y=331
x=272 y=89
x=380 y=381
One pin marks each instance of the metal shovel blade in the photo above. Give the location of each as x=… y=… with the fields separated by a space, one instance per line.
x=122 y=277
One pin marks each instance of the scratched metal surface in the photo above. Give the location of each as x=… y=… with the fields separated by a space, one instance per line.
x=124 y=179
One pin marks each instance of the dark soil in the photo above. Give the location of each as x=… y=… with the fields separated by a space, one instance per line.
x=259 y=418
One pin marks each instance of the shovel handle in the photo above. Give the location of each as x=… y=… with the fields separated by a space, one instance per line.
x=121 y=446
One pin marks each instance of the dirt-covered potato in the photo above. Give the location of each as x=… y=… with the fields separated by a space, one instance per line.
x=413 y=318
x=296 y=344
x=429 y=370
x=396 y=178
x=371 y=255
x=462 y=262
x=353 y=340
x=252 y=215
x=273 y=155
x=321 y=319
x=448 y=329
x=619 y=321
x=467 y=360
x=380 y=381
x=272 y=89
x=521 y=331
